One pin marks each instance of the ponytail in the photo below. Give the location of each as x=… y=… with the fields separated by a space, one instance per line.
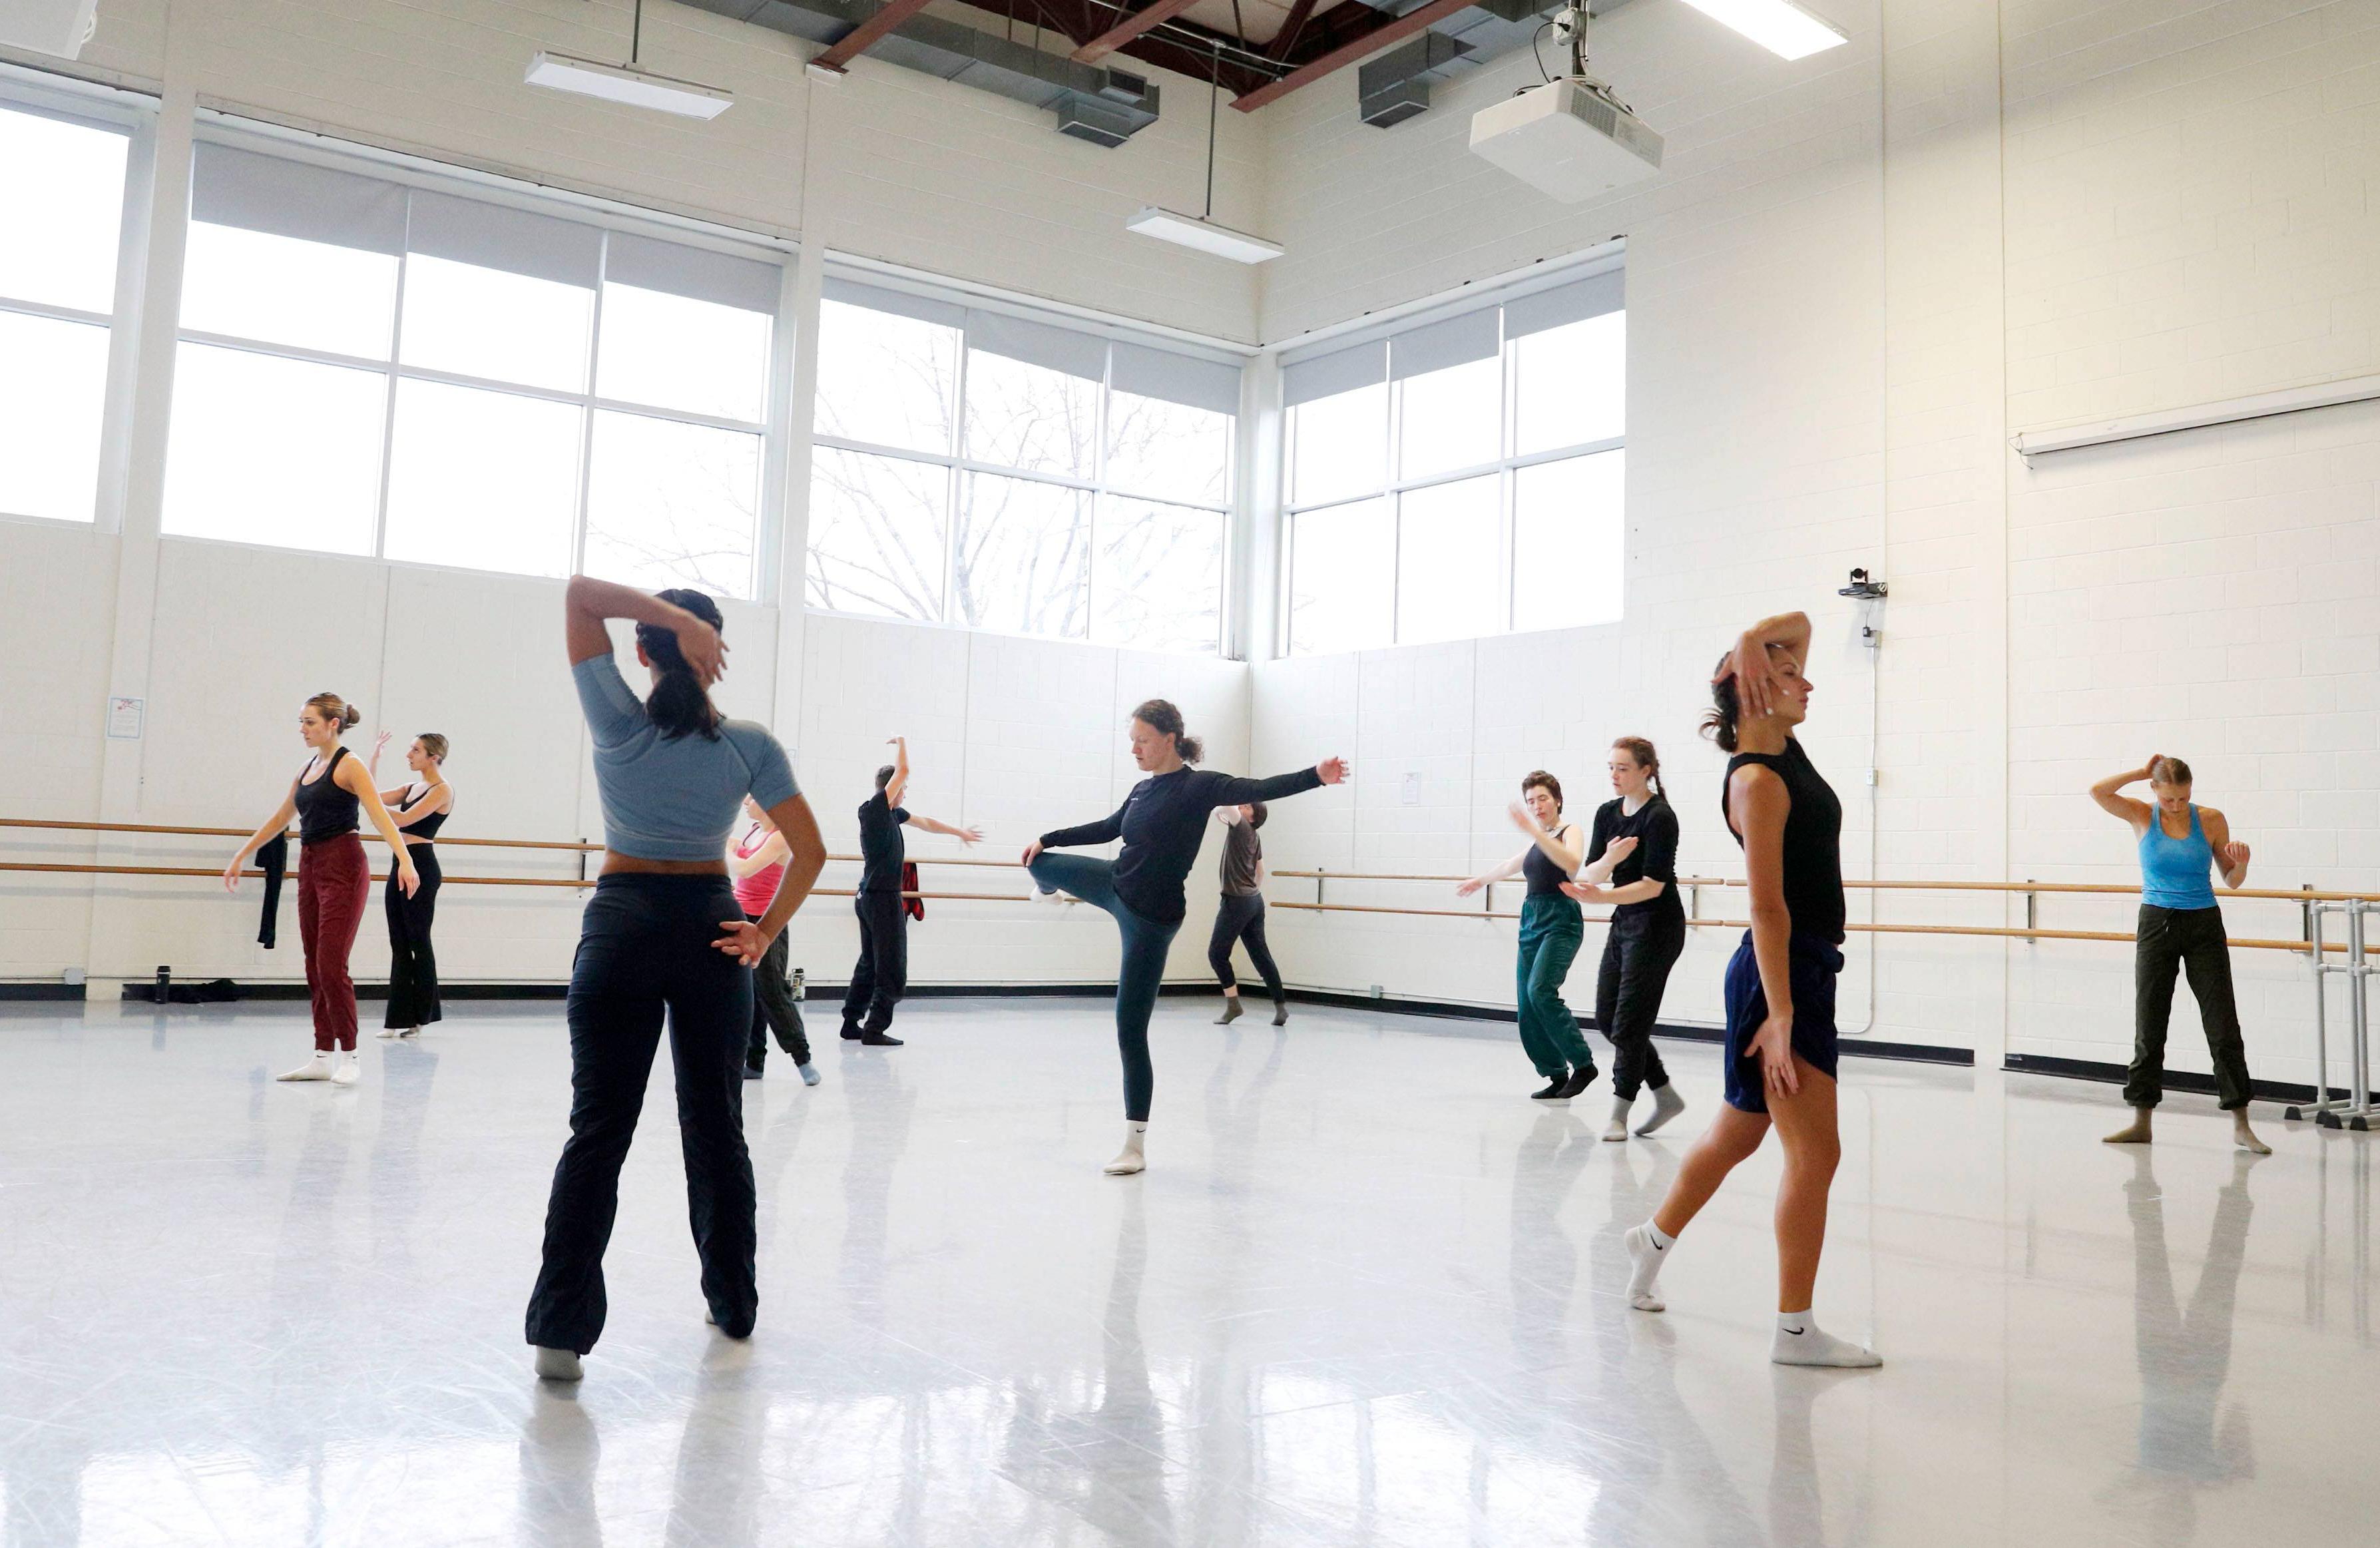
x=1719 y=721
x=679 y=704
x=1160 y=716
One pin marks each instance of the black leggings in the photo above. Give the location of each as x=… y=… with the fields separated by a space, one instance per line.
x=412 y=965
x=645 y=950
x=2190 y=941
x=1242 y=917
x=1637 y=957
x=773 y=1008
x=882 y=975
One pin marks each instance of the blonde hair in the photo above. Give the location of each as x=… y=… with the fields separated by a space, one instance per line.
x=433 y=744
x=336 y=709
x=2170 y=771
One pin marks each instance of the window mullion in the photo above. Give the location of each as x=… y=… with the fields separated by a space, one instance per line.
x=388 y=420
x=587 y=415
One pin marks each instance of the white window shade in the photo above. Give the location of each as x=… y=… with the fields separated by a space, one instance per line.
x=696 y=274
x=1157 y=373
x=1444 y=345
x=1564 y=304
x=230 y=186
x=1037 y=344
x=899 y=303
x=515 y=241
x=1341 y=370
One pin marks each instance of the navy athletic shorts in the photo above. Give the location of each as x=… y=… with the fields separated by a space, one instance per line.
x=1814 y=965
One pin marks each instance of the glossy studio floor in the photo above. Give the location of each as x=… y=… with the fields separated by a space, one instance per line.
x=1366 y=1294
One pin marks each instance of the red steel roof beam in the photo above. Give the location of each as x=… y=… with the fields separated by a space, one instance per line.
x=865 y=36
x=1391 y=29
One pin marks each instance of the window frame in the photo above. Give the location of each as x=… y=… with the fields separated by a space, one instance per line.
x=957 y=466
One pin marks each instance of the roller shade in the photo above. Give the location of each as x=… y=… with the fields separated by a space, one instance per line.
x=696 y=274
x=1013 y=338
x=1146 y=372
x=283 y=198
x=1565 y=304
x=899 y=303
x=496 y=237
x=1440 y=346
x=1341 y=370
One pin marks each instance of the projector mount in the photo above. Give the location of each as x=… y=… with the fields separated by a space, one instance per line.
x=1569 y=27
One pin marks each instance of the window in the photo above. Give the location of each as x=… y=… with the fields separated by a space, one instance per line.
x=994 y=471
x=368 y=368
x=1461 y=477
x=61 y=229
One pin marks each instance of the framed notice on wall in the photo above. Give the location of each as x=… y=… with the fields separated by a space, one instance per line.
x=123 y=719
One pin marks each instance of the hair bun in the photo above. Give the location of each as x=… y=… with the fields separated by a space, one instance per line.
x=353 y=718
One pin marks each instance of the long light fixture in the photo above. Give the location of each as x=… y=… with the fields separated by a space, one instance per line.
x=1200 y=231
x=628 y=83
x=1778 y=26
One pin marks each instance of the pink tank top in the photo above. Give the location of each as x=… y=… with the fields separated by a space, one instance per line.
x=754 y=893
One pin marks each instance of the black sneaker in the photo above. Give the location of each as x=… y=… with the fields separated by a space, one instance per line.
x=880 y=1040
x=1580 y=1080
x=851 y=1032
x=1559 y=1091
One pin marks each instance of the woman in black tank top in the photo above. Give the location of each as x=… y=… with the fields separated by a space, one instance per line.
x=1551 y=928
x=420 y=808
x=327 y=799
x=1780 y=987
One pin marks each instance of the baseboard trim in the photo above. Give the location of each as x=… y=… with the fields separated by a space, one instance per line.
x=2175 y=1079
x=41 y=992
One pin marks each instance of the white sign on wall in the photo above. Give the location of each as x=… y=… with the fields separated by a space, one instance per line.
x=123 y=719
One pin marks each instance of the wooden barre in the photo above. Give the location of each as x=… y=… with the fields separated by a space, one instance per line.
x=571 y=846
x=474 y=881
x=2273 y=894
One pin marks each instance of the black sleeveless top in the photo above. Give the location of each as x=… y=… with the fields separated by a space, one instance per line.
x=428 y=827
x=1814 y=831
x=324 y=809
x=1545 y=877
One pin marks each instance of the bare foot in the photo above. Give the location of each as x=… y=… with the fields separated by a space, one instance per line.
x=2246 y=1138
x=2134 y=1133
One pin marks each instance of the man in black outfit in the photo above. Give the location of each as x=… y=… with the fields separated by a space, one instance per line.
x=882 y=975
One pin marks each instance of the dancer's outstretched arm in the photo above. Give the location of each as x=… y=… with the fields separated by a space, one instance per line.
x=272 y=826
x=969 y=836
x=898 y=786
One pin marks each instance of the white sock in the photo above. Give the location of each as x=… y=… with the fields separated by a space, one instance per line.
x=1800 y=1342
x=348 y=1069
x=559 y=1365
x=1618 y=1127
x=1130 y=1159
x=316 y=1068
x=1648 y=1247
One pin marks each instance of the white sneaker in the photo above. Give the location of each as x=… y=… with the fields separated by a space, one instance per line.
x=349 y=1069
x=559 y=1365
x=316 y=1068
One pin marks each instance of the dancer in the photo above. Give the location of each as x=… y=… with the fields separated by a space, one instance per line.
x=334 y=880
x=1241 y=914
x=422 y=807
x=2180 y=928
x=881 y=974
x=663 y=933
x=1551 y=928
x=1780 y=1052
x=758 y=863
x=1632 y=862
x=1161 y=824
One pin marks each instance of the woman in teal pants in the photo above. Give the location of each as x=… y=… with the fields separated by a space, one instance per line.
x=1551 y=928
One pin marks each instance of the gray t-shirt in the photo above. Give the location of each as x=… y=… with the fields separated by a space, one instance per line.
x=673 y=800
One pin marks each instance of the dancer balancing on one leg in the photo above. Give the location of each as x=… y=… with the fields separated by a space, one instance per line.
x=662 y=935
x=1239 y=917
x=758 y=860
x=1161 y=824
x=334 y=880
x=2180 y=928
x=1780 y=987
x=1551 y=928
x=1632 y=862
x=419 y=810
x=881 y=974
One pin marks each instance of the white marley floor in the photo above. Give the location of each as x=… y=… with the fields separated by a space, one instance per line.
x=1368 y=1294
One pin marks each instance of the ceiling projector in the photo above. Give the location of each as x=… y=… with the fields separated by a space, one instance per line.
x=1568 y=138
x=57 y=27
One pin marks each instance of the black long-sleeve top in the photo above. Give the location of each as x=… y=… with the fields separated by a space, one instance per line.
x=1162 y=823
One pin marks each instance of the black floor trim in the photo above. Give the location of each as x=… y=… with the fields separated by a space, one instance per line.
x=2175 y=1079
x=41 y=991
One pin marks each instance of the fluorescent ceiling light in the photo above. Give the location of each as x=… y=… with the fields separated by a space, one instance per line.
x=1204 y=235
x=625 y=83
x=1778 y=26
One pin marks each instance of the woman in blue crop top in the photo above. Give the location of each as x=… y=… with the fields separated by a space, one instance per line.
x=2181 y=929
x=1551 y=928
x=664 y=933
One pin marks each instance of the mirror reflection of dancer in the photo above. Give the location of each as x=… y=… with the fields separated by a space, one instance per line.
x=882 y=975
x=1240 y=913
x=1632 y=862
x=1551 y=928
x=419 y=808
x=758 y=863
x=1161 y=824
x=2181 y=929
x=662 y=936
x=330 y=794
x=1780 y=1049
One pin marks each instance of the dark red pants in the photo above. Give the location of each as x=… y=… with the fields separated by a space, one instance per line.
x=334 y=884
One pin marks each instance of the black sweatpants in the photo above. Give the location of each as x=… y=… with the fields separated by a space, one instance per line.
x=773 y=1008
x=1242 y=917
x=882 y=975
x=412 y=965
x=2191 y=940
x=1637 y=957
x=645 y=949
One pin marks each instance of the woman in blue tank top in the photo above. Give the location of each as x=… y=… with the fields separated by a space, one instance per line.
x=2181 y=929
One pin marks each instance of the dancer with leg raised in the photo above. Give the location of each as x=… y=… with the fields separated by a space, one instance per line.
x=1240 y=916
x=663 y=934
x=1551 y=928
x=1161 y=824
x=420 y=808
x=1631 y=863
x=2180 y=928
x=1780 y=1050
x=334 y=879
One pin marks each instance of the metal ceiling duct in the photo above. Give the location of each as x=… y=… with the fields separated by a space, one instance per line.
x=1395 y=86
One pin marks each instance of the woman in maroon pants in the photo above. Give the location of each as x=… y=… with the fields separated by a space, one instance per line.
x=334 y=880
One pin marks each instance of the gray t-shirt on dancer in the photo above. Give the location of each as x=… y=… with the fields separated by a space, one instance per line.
x=1242 y=852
